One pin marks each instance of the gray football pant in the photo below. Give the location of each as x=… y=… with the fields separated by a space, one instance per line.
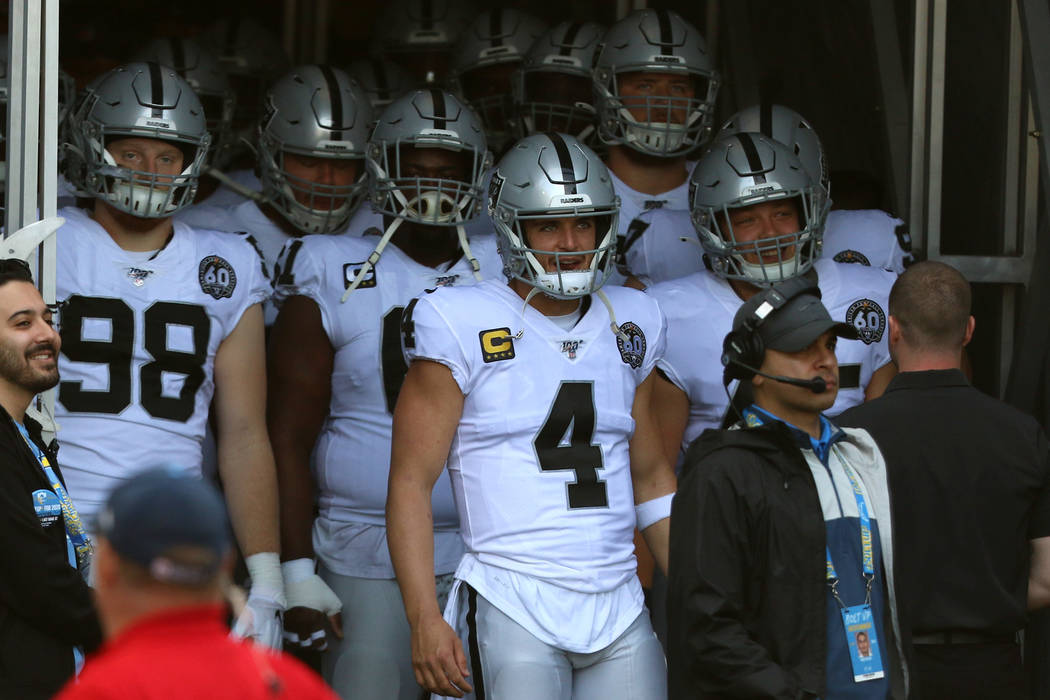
x=515 y=665
x=373 y=660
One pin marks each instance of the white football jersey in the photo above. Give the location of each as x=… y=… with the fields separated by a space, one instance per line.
x=641 y=240
x=700 y=309
x=139 y=337
x=868 y=237
x=225 y=196
x=539 y=462
x=352 y=455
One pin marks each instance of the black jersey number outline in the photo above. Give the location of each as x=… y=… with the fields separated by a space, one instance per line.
x=116 y=353
x=573 y=409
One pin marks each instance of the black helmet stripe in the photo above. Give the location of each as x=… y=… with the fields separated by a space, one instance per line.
x=438 y=98
x=568 y=173
x=496 y=27
x=335 y=97
x=379 y=74
x=156 y=86
x=178 y=57
x=663 y=16
x=754 y=161
x=570 y=36
x=765 y=118
x=426 y=11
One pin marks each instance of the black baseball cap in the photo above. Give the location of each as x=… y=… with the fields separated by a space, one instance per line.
x=790 y=316
x=157 y=517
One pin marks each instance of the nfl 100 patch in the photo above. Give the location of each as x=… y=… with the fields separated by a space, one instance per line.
x=216 y=277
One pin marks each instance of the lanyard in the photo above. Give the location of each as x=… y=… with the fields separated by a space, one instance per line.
x=75 y=532
x=868 y=559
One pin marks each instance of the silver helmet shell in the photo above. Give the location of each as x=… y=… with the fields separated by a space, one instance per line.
x=422 y=33
x=497 y=37
x=547 y=176
x=790 y=128
x=319 y=112
x=429 y=118
x=252 y=57
x=145 y=100
x=654 y=41
x=383 y=81
x=552 y=89
x=199 y=67
x=742 y=170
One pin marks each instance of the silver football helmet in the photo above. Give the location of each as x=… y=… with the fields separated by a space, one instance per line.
x=252 y=57
x=552 y=89
x=742 y=170
x=547 y=176
x=200 y=67
x=143 y=100
x=383 y=81
x=654 y=41
x=421 y=34
x=791 y=129
x=498 y=37
x=318 y=112
x=427 y=119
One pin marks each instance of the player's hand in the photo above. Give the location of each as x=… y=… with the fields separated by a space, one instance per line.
x=438 y=658
x=261 y=619
x=311 y=603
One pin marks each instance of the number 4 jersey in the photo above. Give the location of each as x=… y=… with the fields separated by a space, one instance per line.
x=539 y=462
x=139 y=337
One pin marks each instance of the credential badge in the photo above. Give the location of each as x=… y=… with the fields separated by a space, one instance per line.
x=216 y=277
x=632 y=348
x=868 y=318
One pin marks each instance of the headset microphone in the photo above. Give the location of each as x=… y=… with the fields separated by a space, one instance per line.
x=817 y=385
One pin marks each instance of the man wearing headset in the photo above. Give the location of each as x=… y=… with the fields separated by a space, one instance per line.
x=756 y=609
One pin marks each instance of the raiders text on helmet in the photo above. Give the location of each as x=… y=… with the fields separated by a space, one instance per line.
x=145 y=100
x=547 y=176
x=740 y=171
x=654 y=41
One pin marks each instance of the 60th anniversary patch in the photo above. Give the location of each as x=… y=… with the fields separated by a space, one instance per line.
x=868 y=318
x=216 y=277
x=632 y=349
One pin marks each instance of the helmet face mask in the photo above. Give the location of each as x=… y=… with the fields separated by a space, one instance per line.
x=411 y=133
x=554 y=177
x=654 y=43
x=139 y=100
x=750 y=170
x=311 y=147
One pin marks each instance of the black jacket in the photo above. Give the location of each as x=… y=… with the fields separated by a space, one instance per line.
x=45 y=605
x=747 y=588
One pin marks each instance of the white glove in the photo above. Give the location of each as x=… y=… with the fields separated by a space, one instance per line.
x=306 y=589
x=261 y=619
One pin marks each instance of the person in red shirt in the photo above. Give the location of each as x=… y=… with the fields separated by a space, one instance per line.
x=162 y=560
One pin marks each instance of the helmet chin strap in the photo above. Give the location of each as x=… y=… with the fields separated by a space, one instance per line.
x=600 y=293
x=373 y=258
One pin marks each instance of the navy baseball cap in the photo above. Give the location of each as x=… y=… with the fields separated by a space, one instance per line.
x=790 y=316
x=173 y=525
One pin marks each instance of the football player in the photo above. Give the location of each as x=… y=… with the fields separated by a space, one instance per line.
x=865 y=236
x=552 y=88
x=655 y=88
x=758 y=213
x=488 y=55
x=536 y=392
x=421 y=36
x=158 y=317
x=311 y=149
x=336 y=369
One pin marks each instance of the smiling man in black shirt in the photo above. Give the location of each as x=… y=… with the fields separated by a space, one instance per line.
x=970 y=491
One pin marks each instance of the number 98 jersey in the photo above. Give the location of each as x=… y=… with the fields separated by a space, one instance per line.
x=539 y=462
x=139 y=337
